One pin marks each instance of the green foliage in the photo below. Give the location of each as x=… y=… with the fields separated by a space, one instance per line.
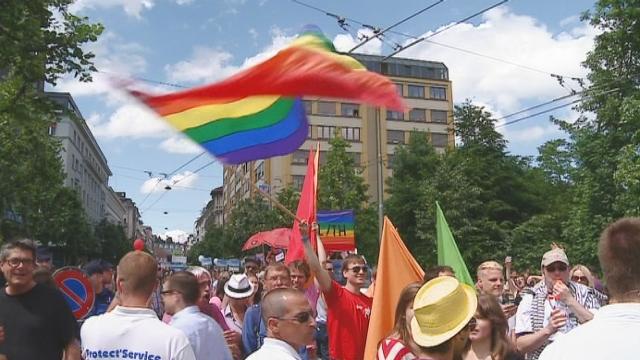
x=112 y=242
x=341 y=188
x=40 y=41
x=484 y=192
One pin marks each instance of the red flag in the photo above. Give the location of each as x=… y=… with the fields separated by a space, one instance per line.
x=306 y=208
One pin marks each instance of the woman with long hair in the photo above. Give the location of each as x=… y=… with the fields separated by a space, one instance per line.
x=218 y=296
x=399 y=345
x=489 y=340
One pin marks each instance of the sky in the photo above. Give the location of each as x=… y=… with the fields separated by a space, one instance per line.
x=502 y=59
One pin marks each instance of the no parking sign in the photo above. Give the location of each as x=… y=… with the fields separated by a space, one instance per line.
x=76 y=289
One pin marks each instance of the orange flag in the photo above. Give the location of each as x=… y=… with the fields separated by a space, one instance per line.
x=306 y=209
x=396 y=269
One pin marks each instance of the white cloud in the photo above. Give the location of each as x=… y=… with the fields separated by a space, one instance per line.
x=114 y=58
x=130 y=120
x=516 y=38
x=131 y=7
x=183 y=2
x=158 y=184
x=180 y=145
x=212 y=64
x=178 y=236
x=205 y=64
x=345 y=42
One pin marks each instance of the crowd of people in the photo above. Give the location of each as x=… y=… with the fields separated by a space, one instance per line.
x=301 y=311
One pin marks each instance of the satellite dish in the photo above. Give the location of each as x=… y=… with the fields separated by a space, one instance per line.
x=200 y=258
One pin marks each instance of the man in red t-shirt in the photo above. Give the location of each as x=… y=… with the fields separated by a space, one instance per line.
x=348 y=309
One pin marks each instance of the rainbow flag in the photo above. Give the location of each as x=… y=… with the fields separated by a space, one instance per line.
x=336 y=229
x=258 y=112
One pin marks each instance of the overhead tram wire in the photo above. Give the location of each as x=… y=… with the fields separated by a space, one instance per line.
x=410 y=36
x=421 y=39
x=175 y=182
x=380 y=33
x=552 y=109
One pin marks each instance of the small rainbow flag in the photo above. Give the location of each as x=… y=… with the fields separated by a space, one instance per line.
x=258 y=112
x=336 y=229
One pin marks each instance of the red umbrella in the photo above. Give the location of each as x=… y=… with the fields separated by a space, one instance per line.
x=277 y=238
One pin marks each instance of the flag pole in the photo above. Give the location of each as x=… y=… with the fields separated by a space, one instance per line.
x=275 y=202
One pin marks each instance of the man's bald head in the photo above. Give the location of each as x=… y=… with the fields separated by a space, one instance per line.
x=288 y=317
x=274 y=304
x=137 y=273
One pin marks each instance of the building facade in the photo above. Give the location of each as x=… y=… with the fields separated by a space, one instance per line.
x=373 y=133
x=132 y=222
x=212 y=214
x=84 y=164
x=115 y=210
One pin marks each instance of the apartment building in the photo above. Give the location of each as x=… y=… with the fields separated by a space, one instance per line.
x=373 y=133
x=84 y=164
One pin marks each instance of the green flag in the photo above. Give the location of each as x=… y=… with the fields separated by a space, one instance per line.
x=448 y=253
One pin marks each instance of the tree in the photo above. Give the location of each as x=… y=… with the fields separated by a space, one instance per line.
x=340 y=187
x=39 y=42
x=603 y=146
x=112 y=242
x=412 y=164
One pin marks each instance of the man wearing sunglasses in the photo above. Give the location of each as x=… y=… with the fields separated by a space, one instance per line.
x=36 y=319
x=348 y=309
x=554 y=305
x=290 y=325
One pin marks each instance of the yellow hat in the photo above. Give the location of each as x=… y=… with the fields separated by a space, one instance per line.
x=442 y=307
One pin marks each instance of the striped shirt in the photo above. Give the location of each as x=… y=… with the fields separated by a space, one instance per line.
x=393 y=349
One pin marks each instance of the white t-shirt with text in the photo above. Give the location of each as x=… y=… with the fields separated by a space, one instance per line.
x=133 y=333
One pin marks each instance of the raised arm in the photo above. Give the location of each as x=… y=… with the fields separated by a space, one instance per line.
x=324 y=280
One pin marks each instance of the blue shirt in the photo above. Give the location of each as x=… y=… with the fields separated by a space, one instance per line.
x=204 y=334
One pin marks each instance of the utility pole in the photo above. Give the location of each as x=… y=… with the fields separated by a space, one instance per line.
x=379 y=173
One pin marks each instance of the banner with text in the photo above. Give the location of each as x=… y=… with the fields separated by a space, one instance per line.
x=336 y=229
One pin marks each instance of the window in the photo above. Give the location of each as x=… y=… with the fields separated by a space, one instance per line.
x=390 y=159
x=439 y=140
x=326 y=132
x=418 y=115
x=416 y=91
x=307 y=106
x=399 y=89
x=395 y=137
x=395 y=115
x=310 y=132
x=438 y=93
x=322 y=158
x=300 y=157
x=326 y=108
x=350 y=110
x=356 y=158
x=350 y=133
x=439 y=116
x=52 y=129
x=297 y=181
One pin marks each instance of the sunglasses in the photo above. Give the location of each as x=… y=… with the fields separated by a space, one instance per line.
x=579 y=278
x=554 y=268
x=301 y=318
x=357 y=269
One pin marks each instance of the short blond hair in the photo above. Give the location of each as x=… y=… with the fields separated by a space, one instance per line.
x=137 y=272
x=488 y=265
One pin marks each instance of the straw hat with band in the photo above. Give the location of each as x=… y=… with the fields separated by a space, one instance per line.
x=238 y=287
x=442 y=307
